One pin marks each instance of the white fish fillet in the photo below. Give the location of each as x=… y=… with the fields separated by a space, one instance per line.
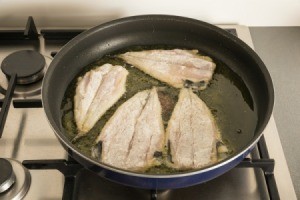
x=96 y=92
x=134 y=133
x=191 y=133
x=174 y=67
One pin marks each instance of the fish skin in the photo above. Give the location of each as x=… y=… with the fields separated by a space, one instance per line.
x=174 y=67
x=134 y=133
x=96 y=92
x=191 y=133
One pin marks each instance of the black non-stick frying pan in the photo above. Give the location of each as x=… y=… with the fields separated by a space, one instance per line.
x=157 y=30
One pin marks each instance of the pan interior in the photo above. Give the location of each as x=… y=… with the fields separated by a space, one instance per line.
x=173 y=31
x=227 y=97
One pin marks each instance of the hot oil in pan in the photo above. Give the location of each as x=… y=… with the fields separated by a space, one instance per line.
x=227 y=96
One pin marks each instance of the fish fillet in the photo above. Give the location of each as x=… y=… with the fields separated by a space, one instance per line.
x=179 y=68
x=96 y=92
x=191 y=133
x=134 y=134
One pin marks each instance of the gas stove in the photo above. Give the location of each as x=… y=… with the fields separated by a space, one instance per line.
x=33 y=164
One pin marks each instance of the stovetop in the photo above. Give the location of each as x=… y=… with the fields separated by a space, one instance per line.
x=28 y=138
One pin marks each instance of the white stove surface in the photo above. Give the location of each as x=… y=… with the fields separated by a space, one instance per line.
x=28 y=136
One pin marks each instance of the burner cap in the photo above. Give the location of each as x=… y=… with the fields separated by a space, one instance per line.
x=27 y=64
x=22 y=183
x=7 y=176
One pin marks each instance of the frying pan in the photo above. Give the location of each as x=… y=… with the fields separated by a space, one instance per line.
x=157 y=30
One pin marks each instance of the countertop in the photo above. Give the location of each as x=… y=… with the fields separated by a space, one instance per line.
x=279 y=48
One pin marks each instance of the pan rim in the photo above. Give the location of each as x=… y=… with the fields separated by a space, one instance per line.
x=94 y=30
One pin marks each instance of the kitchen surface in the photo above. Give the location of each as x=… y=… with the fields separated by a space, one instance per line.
x=275 y=40
x=279 y=48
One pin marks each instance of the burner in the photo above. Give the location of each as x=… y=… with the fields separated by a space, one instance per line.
x=7 y=176
x=22 y=180
x=29 y=66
